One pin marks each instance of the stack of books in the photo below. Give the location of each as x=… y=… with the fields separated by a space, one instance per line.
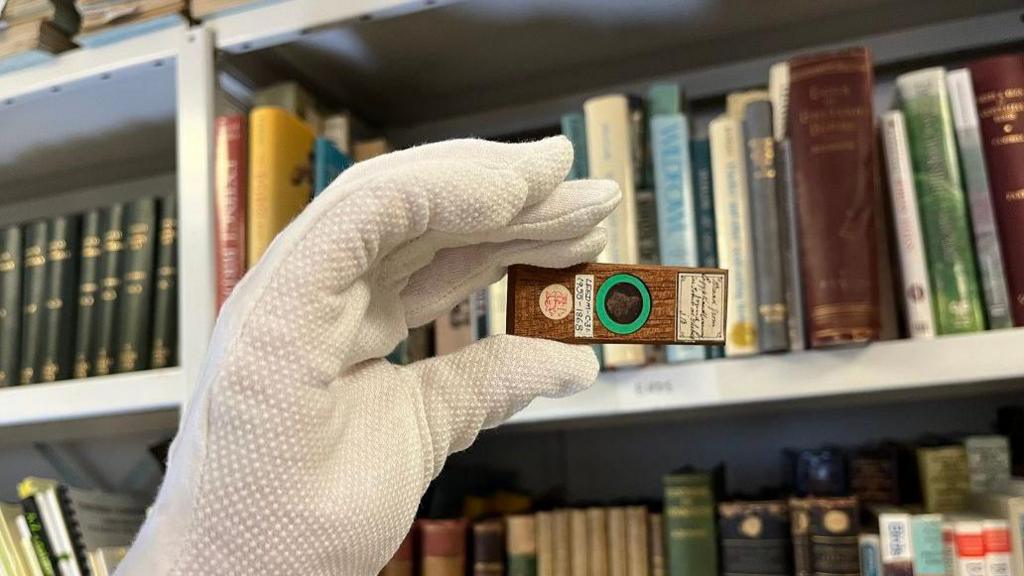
x=109 y=21
x=32 y=31
x=202 y=9
x=89 y=294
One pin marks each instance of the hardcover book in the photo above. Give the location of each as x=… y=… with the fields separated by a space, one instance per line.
x=163 y=351
x=59 y=314
x=732 y=220
x=111 y=263
x=545 y=544
x=997 y=89
x=597 y=534
x=926 y=544
x=944 y=480
x=834 y=181
x=755 y=537
x=489 y=548
x=870 y=555
x=656 y=533
x=574 y=127
x=789 y=237
x=996 y=535
x=88 y=293
x=941 y=201
x=833 y=532
x=328 y=163
x=579 y=542
x=521 y=545
x=134 y=311
x=637 y=554
x=778 y=93
x=563 y=542
x=443 y=547
x=691 y=536
x=979 y=195
x=799 y=526
x=896 y=548
x=917 y=293
x=11 y=253
x=33 y=301
x=618 y=555
x=704 y=201
x=772 y=314
x=874 y=476
x=988 y=462
x=230 y=190
x=970 y=548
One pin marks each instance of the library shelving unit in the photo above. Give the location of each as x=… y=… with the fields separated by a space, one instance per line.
x=94 y=122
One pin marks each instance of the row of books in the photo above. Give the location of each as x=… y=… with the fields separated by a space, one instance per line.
x=697 y=531
x=33 y=31
x=89 y=294
x=270 y=162
x=57 y=530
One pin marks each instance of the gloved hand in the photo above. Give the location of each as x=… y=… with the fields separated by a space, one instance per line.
x=302 y=450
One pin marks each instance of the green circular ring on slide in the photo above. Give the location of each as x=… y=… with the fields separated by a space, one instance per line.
x=645 y=308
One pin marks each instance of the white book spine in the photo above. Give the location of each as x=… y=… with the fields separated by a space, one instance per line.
x=778 y=93
x=917 y=295
x=997 y=547
x=610 y=158
x=28 y=552
x=732 y=224
x=896 y=549
x=497 y=299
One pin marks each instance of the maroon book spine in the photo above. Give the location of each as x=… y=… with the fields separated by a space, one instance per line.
x=230 y=189
x=443 y=547
x=831 y=128
x=401 y=564
x=999 y=93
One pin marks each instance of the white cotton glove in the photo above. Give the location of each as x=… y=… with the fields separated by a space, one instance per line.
x=303 y=451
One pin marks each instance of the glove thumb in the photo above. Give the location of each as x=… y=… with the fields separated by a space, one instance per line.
x=484 y=384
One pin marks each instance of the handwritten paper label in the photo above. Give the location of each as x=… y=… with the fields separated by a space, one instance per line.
x=555 y=301
x=700 y=299
x=583 y=304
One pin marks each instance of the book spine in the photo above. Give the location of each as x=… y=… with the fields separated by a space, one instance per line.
x=40 y=540
x=949 y=548
x=656 y=532
x=637 y=553
x=988 y=462
x=74 y=530
x=673 y=183
x=28 y=550
x=944 y=479
x=970 y=549
x=401 y=564
x=521 y=545
x=789 y=236
x=917 y=295
x=772 y=314
x=610 y=156
x=443 y=547
x=834 y=179
x=497 y=302
x=230 y=191
x=926 y=543
x=489 y=548
x=111 y=263
x=704 y=209
x=163 y=351
x=998 y=83
x=33 y=301
x=11 y=252
x=618 y=555
x=800 y=523
x=59 y=314
x=691 y=536
x=821 y=472
x=134 y=334
x=983 y=223
x=755 y=537
x=996 y=534
x=897 y=554
x=778 y=93
x=870 y=555
x=597 y=534
x=574 y=127
x=873 y=478
x=732 y=221
x=941 y=202
x=579 y=542
x=833 y=533
x=563 y=542
x=88 y=292
x=545 y=544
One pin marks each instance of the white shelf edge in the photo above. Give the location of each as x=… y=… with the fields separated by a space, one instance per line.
x=879 y=368
x=280 y=22
x=89 y=64
x=118 y=394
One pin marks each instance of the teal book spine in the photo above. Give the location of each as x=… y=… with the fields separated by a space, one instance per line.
x=575 y=129
x=926 y=543
x=328 y=163
x=163 y=350
x=704 y=210
x=33 y=301
x=134 y=312
x=61 y=287
x=111 y=262
x=952 y=272
x=11 y=251
x=88 y=291
x=673 y=186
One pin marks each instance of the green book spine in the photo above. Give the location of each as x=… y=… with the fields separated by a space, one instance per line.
x=59 y=314
x=924 y=100
x=522 y=565
x=33 y=301
x=88 y=290
x=704 y=208
x=133 y=333
x=111 y=262
x=10 y=304
x=575 y=129
x=690 y=532
x=165 y=298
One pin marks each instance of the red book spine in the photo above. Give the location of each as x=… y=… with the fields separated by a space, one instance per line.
x=831 y=127
x=999 y=94
x=230 y=189
x=443 y=547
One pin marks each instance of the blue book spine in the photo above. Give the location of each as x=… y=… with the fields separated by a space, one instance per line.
x=673 y=185
x=926 y=543
x=870 y=555
x=328 y=163
x=574 y=128
x=704 y=209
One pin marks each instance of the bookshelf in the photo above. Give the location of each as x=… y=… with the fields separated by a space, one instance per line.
x=321 y=40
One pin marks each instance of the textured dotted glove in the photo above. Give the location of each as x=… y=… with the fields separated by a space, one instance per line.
x=302 y=451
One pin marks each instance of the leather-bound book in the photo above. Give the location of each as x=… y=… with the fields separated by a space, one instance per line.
x=489 y=548
x=59 y=311
x=88 y=293
x=834 y=525
x=10 y=304
x=999 y=93
x=401 y=564
x=831 y=130
x=33 y=301
x=443 y=547
x=134 y=312
x=231 y=179
x=111 y=263
x=755 y=537
x=163 y=350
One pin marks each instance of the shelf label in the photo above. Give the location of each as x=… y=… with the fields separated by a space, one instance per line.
x=663 y=390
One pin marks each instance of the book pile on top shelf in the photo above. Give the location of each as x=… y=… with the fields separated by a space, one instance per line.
x=32 y=31
x=825 y=520
x=108 y=21
x=89 y=294
x=202 y=9
x=58 y=530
